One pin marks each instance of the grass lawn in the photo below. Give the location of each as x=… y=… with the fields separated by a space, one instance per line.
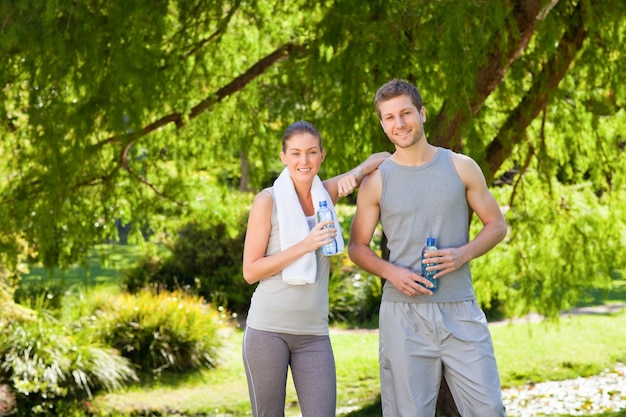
x=531 y=352
x=104 y=265
x=580 y=345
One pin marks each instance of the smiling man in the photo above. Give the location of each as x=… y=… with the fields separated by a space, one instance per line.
x=426 y=191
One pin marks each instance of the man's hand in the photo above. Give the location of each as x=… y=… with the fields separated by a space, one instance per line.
x=407 y=281
x=447 y=260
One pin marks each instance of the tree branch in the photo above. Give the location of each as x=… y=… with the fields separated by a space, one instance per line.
x=544 y=85
x=218 y=32
x=129 y=140
x=240 y=82
x=454 y=116
x=235 y=85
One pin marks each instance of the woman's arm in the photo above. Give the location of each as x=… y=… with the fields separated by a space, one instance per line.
x=346 y=183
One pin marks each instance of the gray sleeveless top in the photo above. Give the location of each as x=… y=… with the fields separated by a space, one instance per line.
x=420 y=202
x=295 y=309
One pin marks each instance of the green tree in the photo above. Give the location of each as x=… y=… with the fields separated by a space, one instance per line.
x=110 y=109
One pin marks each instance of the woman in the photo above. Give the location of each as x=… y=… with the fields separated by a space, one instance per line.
x=287 y=324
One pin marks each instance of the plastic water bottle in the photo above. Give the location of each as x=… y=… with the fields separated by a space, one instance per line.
x=430 y=246
x=324 y=214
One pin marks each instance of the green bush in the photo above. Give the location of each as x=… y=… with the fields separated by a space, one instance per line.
x=159 y=330
x=46 y=365
x=204 y=259
x=207 y=260
x=38 y=292
x=354 y=295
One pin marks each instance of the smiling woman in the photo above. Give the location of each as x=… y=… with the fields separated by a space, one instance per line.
x=287 y=324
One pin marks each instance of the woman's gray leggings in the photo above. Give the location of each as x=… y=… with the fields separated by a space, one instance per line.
x=266 y=358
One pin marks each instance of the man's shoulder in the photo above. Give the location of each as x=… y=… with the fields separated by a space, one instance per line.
x=457 y=156
x=372 y=178
x=372 y=184
x=467 y=168
x=462 y=161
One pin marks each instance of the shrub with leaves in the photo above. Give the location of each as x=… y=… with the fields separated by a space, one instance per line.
x=46 y=365
x=160 y=331
x=354 y=295
x=204 y=259
x=50 y=292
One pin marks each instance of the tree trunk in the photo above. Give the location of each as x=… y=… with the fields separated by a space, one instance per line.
x=446 y=406
x=455 y=115
x=536 y=100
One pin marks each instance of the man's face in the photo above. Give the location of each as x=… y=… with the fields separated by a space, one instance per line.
x=402 y=121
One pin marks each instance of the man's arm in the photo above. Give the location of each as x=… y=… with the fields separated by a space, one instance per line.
x=361 y=233
x=482 y=202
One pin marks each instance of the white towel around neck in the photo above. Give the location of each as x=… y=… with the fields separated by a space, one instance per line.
x=293 y=226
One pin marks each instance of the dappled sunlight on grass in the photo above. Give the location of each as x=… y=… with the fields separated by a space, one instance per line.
x=222 y=390
x=105 y=264
x=574 y=346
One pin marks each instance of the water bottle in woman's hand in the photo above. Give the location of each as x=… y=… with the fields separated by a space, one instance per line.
x=325 y=214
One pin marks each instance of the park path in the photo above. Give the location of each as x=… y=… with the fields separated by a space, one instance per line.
x=600 y=309
x=597 y=394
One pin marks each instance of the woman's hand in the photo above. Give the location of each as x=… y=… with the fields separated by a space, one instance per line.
x=318 y=236
x=346 y=185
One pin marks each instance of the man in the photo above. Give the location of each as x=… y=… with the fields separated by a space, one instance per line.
x=426 y=191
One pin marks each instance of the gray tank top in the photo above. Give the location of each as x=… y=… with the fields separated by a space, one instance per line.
x=295 y=309
x=420 y=202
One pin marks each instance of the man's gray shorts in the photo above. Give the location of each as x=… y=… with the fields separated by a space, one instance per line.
x=419 y=341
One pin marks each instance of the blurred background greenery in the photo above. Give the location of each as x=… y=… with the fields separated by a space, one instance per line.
x=134 y=136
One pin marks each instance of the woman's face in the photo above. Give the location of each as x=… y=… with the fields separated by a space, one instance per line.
x=303 y=156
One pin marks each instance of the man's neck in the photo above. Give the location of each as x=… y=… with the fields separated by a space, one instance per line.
x=414 y=155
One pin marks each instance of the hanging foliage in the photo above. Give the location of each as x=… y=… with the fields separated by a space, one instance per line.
x=111 y=111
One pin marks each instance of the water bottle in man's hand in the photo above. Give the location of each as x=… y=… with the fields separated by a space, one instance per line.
x=430 y=246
